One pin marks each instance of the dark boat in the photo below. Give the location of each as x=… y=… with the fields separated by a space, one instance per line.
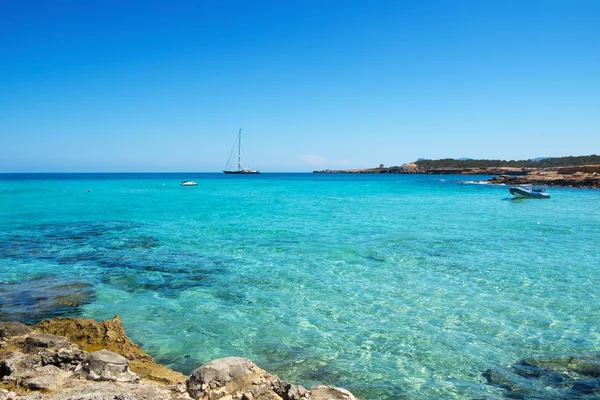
x=531 y=193
x=239 y=170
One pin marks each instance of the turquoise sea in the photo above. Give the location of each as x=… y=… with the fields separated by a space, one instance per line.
x=392 y=286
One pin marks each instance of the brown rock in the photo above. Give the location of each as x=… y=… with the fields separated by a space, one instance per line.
x=330 y=393
x=288 y=391
x=53 y=350
x=92 y=336
x=157 y=372
x=10 y=329
x=36 y=342
x=231 y=378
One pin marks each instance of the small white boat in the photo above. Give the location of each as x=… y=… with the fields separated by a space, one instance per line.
x=531 y=193
x=189 y=183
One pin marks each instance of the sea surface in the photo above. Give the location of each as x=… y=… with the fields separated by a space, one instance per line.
x=392 y=286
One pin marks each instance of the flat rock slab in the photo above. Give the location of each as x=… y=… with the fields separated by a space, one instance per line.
x=104 y=365
x=42 y=341
x=11 y=329
x=47 y=377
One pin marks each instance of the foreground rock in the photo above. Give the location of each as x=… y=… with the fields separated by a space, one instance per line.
x=35 y=364
x=10 y=329
x=91 y=336
x=239 y=378
x=104 y=365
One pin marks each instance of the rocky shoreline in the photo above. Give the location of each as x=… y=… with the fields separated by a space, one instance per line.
x=81 y=359
x=585 y=176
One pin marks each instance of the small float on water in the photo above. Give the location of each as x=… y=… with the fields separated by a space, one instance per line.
x=528 y=192
x=189 y=183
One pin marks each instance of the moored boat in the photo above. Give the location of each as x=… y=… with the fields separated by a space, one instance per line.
x=240 y=169
x=525 y=192
x=189 y=183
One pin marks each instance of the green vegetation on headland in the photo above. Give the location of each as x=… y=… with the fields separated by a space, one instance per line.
x=552 y=162
x=581 y=171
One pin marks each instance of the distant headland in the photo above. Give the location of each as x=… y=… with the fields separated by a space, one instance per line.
x=580 y=171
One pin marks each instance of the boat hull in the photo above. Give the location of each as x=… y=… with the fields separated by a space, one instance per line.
x=242 y=172
x=528 y=193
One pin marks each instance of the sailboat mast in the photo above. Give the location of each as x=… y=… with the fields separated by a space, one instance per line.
x=240 y=150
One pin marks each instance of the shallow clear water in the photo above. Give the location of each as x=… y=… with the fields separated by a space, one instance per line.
x=395 y=287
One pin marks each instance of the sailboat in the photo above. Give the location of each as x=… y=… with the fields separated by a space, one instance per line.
x=239 y=169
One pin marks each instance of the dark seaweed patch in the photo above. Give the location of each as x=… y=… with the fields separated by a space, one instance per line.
x=113 y=253
x=556 y=377
x=33 y=300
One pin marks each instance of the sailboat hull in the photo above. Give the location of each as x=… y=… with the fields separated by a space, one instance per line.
x=242 y=172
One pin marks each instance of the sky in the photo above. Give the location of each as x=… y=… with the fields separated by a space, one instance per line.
x=145 y=86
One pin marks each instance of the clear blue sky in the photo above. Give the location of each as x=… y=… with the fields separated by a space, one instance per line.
x=165 y=85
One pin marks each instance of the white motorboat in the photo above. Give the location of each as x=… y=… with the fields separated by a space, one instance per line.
x=189 y=183
x=529 y=192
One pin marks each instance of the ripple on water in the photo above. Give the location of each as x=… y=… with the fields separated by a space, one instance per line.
x=394 y=287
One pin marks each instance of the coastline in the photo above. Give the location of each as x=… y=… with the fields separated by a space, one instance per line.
x=584 y=176
x=81 y=359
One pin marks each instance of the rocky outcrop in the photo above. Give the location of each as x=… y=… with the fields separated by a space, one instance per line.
x=53 y=350
x=562 y=377
x=587 y=176
x=110 y=335
x=330 y=393
x=104 y=365
x=92 y=335
x=549 y=178
x=36 y=364
x=10 y=329
x=240 y=378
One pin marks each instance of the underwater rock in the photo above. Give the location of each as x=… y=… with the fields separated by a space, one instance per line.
x=556 y=377
x=586 y=364
x=30 y=301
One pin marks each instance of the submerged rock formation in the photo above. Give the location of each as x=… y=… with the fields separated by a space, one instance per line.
x=81 y=359
x=565 y=377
